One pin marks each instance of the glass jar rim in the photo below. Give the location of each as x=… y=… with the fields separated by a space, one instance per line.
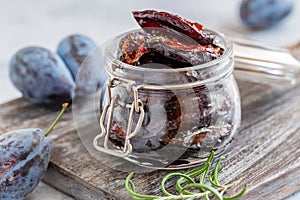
x=228 y=49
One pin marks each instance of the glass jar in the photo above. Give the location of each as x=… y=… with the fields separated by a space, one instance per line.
x=161 y=117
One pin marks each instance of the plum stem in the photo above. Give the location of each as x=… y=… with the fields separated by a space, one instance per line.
x=64 y=107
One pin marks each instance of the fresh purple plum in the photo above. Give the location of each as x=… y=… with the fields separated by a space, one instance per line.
x=84 y=60
x=24 y=157
x=263 y=14
x=41 y=76
x=74 y=50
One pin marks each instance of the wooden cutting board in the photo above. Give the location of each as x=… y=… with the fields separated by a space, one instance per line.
x=265 y=151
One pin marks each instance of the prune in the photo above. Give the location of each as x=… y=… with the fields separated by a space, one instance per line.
x=141 y=49
x=41 y=76
x=24 y=157
x=176 y=118
x=263 y=14
x=149 y=19
x=193 y=54
x=133 y=47
x=169 y=40
x=174 y=42
x=84 y=60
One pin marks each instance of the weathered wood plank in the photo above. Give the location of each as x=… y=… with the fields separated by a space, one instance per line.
x=46 y=192
x=265 y=151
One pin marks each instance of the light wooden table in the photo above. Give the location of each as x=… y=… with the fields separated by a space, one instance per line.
x=34 y=22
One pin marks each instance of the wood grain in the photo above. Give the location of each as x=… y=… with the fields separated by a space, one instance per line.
x=265 y=151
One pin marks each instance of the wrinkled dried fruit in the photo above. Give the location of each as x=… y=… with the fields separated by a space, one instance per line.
x=133 y=47
x=152 y=19
x=169 y=40
x=159 y=133
x=193 y=54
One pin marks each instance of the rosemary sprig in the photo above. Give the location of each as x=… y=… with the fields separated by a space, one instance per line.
x=186 y=184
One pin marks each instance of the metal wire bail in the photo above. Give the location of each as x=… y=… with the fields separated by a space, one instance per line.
x=136 y=106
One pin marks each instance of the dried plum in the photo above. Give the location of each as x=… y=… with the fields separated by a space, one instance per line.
x=168 y=40
x=154 y=19
x=132 y=48
x=192 y=54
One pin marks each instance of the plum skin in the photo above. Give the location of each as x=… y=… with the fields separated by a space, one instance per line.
x=85 y=60
x=264 y=14
x=24 y=157
x=41 y=76
x=74 y=49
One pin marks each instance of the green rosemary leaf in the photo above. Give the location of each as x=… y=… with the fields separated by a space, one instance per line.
x=193 y=174
x=185 y=192
x=129 y=184
x=169 y=176
x=131 y=189
x=196 y=172
x=132 y=185
x=203 y=187
x=235 y=197
x=214 y=177
x=206 y=197
x=208 y=165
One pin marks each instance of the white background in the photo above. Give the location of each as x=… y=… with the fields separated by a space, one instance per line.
x=45 y=23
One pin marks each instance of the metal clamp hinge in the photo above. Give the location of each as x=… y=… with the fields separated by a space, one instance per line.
x=135 y=107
